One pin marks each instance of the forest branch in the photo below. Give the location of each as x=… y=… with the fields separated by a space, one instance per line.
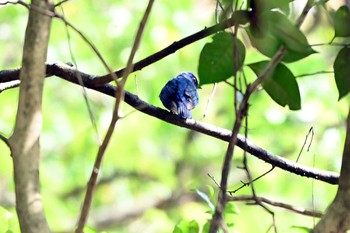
x=337 y=217
x=239 y=17
x=24 y=142
x=119 y=98
x=70 y=74
x=298 y=210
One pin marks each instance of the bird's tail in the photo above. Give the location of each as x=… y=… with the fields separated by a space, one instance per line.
x=183 y=112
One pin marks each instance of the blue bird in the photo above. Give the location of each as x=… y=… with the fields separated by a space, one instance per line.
x=180 y=95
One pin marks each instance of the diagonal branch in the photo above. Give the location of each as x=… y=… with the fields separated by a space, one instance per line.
x=69 y=73
x=239 y=17
x=298 y=210
x=119 y=98
x=217 y=219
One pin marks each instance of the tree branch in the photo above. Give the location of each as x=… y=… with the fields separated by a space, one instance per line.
x=337 y=217
x=239 y=17
x=24 y=143
x=70 y=74
x=298 y=210
x=5 y=140
x=119 y=98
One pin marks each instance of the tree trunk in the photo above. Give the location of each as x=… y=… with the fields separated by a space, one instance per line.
x=24 y=142
x=337 y=217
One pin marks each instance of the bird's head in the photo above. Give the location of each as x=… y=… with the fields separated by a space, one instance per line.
x=191 y=77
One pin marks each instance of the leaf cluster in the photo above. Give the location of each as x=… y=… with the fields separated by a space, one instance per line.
x=269 y=30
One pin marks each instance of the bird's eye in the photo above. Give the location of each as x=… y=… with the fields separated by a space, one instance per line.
x=194 y=79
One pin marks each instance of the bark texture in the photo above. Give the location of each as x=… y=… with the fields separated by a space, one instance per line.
x=24 y=142
x=337 y=217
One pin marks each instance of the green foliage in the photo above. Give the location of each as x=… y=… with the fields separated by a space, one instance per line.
x=187 y=227
x=261 y=6
x=341 y=22
x=217 y=62
x=88 y=229
x=8 y=222
x=342 y=71
x=268 y=36
x=231 y=208
x=301 y=229
x=150 y=161
x=280 y=84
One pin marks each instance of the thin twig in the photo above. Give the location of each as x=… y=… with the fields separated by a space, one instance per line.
x=249 y=175
x=91 y=45
x=209 y=100
x=239 y=17
x=251 y=181
x=217 y=219
x=299 y=210
x=311 y=131
x=85 y=95
x=241 y=112
x=213 y=179
x=119 y=94
x=5 y=140
x=315 y=73
x=61 y=2
x=330 y=44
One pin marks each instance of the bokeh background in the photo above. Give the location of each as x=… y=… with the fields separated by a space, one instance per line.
x=152 y=169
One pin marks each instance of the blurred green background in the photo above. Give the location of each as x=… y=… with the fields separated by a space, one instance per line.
x=151 y=168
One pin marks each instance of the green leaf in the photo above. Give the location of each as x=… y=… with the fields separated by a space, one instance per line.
x=280 y=84
x=260 y=6
x=341 y=22
x=216 y=62
x=342 y=71
x=187 y=227
x=8 y=221
x=211 y=191
x=206 y=227
x=231 y=208
x=301 y=229
x=88 y=229
x=283 y=33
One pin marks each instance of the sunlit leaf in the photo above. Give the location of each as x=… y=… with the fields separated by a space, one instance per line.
x=211 y=191
x=216 y=61
x=88 y=229
x=342 y=71
x=341 y=22
x=301 y=229
x=231 y=208
x=280 y=84
x=206 y=227
x=187 y=227
x=283 y=33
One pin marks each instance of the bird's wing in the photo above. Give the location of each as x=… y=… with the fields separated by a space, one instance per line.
x=183 y=111
x=168 y=95
x=191 y=96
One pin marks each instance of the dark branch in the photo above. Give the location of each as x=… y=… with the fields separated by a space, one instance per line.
x=298 y=210
x=70 y=74
x=239 y=17
x=5 y=140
